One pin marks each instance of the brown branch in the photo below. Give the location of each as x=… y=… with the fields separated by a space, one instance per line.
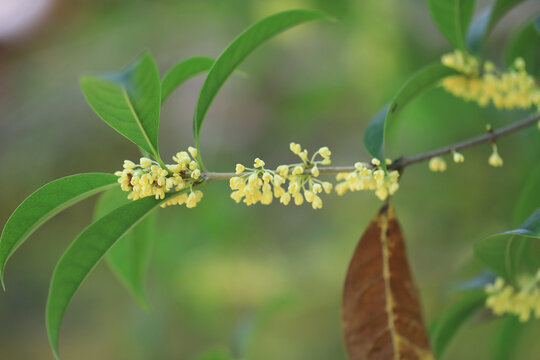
x=403 y=162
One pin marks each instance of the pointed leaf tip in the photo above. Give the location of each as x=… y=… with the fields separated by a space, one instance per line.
x=129 y=101
x=381 y=313
x=239 y=49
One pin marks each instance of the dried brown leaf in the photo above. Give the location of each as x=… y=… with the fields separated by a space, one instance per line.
x=381 y=313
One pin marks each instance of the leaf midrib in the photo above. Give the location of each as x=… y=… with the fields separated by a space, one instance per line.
x=46 y=217
x=138 y=121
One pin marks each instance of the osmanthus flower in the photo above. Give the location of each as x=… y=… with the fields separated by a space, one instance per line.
x=522 y=300
x=437 y=164
x=149 y=179
x=458 y=157
x=297 y=182
x=369 y=177
x=510 y=89
x=495 y=159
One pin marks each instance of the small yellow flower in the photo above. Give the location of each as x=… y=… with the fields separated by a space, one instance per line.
x=258 y=163
x=129 y=164
x=458 y=157
x=378 y=174
x=437 y=164
x=327 y=187
x=309 y=195
x=267 y=177
x=193 y=165
x=236 y=183
x=325 y=152
x=283 y=170
x=303 y=155
x=317 y=202
x=298 y=170
x=315 y=171
x=193 y=152
x=196 y=174
x=145 y=162
x=375 y=162
x=495 y=159
x=295 y=148
x=240 y=169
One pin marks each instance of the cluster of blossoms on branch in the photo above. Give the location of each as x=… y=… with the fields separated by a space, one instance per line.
x=149 y=179
x=486 y=84
x=258 y=184
x=510 y=89
x=369 y=177
x=523 y=302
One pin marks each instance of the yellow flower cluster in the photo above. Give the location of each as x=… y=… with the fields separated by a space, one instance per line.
x=506 y=299
x=149 y=179
x=511 y=89
x=369 y=177
x=257 y=184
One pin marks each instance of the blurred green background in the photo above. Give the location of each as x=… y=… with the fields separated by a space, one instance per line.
x=222 y=267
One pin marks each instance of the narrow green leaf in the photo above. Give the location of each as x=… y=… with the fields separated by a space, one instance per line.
x=453 y=18
x=529 y=198
x=443 y=329
x=43 y=204
x=374 y=135
x=512 y=252
x=129 y=257
x=183 y=71
x=129 y=101
x=507 y=338
x=525 y=43
x=486 y=20
x=238 y=50
x=84 y=254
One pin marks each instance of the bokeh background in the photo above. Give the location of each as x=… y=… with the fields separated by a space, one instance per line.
x=225 y=277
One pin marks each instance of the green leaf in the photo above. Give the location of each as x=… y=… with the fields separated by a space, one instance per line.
x=512 y=252
x=507 y=338
x=43 y=204
x=129 y=101
x=182 y=71
x=84 y=254
x=129 y=257
x=238 y=50
x=443 y=329
x=525 y=43
x=453 y=18
x=529 y=199
x=374 y=136
x=484 y=22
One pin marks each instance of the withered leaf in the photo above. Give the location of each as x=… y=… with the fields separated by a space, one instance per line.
x=381 y=313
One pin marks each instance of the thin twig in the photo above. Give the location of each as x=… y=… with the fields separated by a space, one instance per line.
x=403 y=162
